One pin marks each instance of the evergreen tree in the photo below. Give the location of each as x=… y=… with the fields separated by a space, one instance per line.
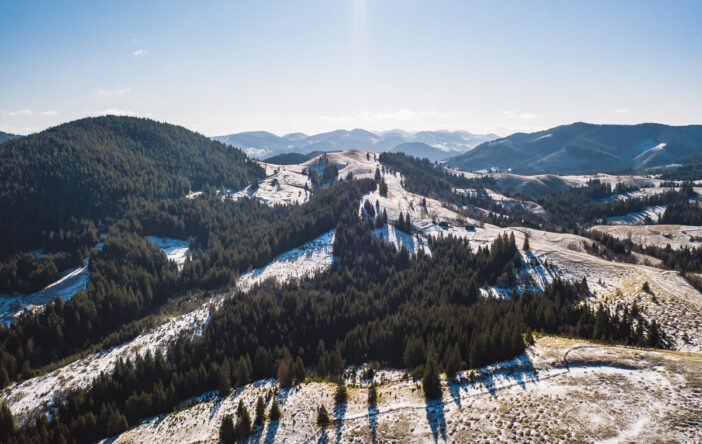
x=275 y=413
x=372 y=395
x=431 y=384
x=322 y=417
x=242 y=428
x=383 y=187
x=285 y=375
x=226 y=429
x=454 y=361
x=224 y=384
x=415 y=353
x=342 y=394
x=652 y=334
x=525 y=245
x=260 y=411
x=298 y=371
x=7 y=423
x=4 y=377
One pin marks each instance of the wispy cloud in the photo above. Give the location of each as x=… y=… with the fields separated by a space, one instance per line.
x=140 y=52
x=118 y=92
x=29 y=112
x=23 y=112
x=115 y=112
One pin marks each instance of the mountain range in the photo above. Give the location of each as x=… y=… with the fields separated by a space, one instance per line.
x=586 y=147
x=262 y=144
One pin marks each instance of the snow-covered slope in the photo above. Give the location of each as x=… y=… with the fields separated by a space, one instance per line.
x=647 y=215
x=70 y=283
x=677 y=236
x=177 y=250
x=305 y=261
x=558 y=391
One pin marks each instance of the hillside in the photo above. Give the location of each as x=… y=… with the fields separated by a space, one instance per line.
x=291 y=158
x=87 y=169
x=586 y=147
x=7 y=136
x=421 y=150
x=262 y=144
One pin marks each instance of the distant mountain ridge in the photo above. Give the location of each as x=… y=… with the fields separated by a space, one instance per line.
x=586 y=147
x=262 y=144
x=7 y=136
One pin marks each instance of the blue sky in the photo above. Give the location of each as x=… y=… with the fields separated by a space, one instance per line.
x=311 y=66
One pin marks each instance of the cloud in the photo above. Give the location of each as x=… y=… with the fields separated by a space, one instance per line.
x=29 y=112
x=621 y=110
x=140 y=52
x=114 y=112
x=118 y=92
x=24 y=112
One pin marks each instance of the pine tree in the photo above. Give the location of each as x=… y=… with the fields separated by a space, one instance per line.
x=226 y=429
x=243 y=376
x=652 y=334
x=525 y=246
x=274 y=414
x=322 y=417
x=377 y=176
x=285 y=376
x=298 y=371
x=242 y=429
x=431 y=384
x=383 y=188
x=372 y=395
x=7 y=423
x=341 y=395
x=260 y=411
x=454 y=361
x=224 y=384
x=4 y=377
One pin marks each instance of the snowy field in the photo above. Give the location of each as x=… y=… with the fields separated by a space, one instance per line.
x=558 y=391
x=647 y=215
x=34 y=396
x=177 y=250
x=305 y=261
x=677 y=236
x=12 y=306
x=400 y=239
x=638 y=194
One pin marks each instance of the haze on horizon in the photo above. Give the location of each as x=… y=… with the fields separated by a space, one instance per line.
x=315 y=65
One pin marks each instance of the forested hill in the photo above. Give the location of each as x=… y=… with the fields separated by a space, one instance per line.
x=7 y=136
x=587 y=147
x=86 y=170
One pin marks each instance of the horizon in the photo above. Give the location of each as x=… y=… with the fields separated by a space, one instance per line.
x=319 y=66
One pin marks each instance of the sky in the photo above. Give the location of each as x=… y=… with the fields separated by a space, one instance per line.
x=319 y=65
